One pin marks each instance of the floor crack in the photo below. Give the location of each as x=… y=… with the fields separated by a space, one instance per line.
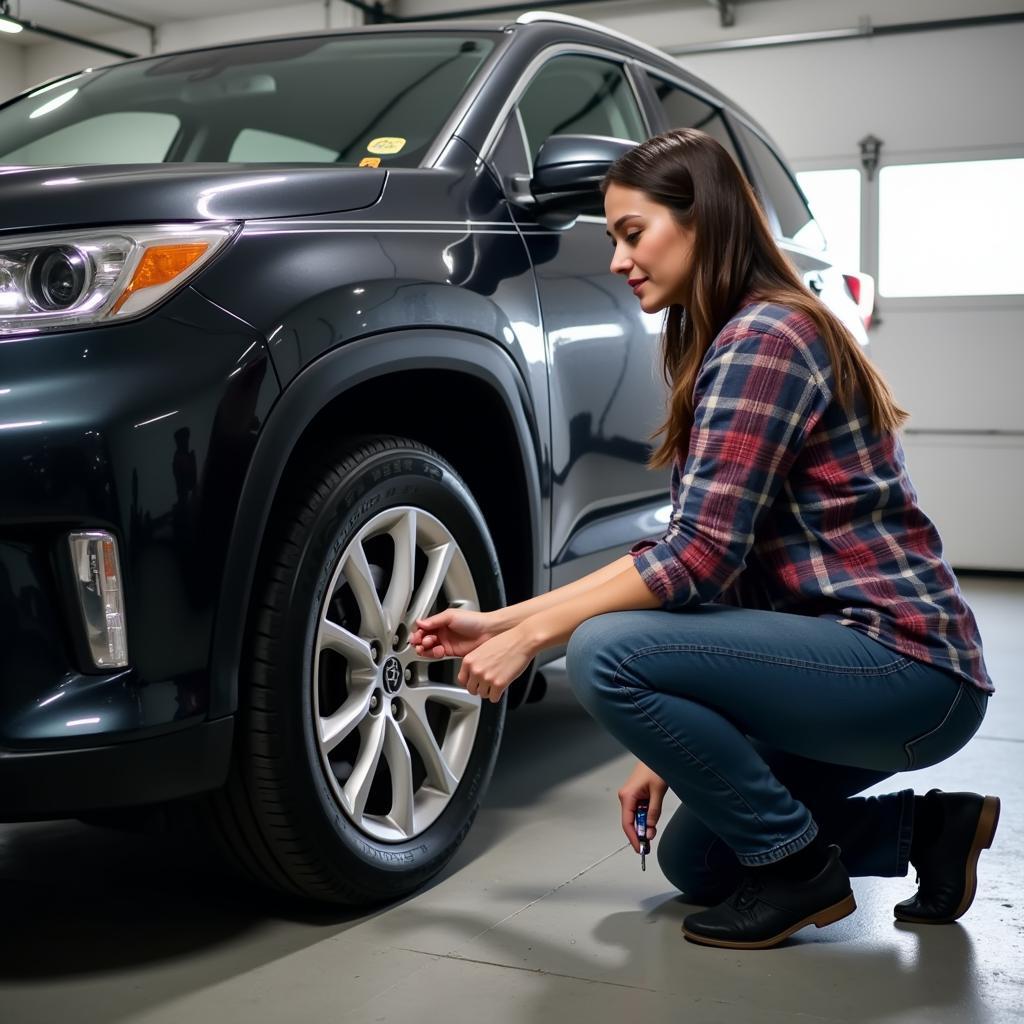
x=527 y=970
x=544 y=896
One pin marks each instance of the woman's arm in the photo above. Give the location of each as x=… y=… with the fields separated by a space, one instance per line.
x=490 y=668
x=454 y=633
x=513 y=615
x=623 y=591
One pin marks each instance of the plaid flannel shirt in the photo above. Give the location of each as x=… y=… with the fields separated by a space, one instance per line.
x=785 y=502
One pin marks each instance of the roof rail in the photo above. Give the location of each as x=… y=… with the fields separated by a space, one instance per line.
x=531 y=17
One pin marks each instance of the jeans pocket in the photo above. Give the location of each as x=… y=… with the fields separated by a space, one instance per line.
x=960 y=722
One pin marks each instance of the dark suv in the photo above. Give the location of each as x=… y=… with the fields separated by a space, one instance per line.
x=301 y=339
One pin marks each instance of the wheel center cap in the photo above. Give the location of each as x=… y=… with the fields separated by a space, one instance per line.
x=392 y=675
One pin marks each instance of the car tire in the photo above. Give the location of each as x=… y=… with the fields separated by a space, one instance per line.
x=301 y=811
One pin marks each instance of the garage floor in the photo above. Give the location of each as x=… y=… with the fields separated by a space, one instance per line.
x=544 y=915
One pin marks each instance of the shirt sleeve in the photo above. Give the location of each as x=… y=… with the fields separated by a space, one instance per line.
x=757 y=399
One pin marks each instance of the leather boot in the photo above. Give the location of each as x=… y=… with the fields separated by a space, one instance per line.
x=766 y=910
x=947 y=868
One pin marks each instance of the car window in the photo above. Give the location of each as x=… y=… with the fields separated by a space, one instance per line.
x=125 y=137
x=684 y=110
x=795 y=220
x=377 y=99
x=576 y=95
x=253 y=146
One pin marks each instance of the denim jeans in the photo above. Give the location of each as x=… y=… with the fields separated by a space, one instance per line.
x=765 y=725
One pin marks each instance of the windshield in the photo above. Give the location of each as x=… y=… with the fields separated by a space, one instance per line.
x=358 y=100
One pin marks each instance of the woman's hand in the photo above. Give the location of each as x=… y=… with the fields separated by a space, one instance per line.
x=642 y=786
x=497 y=662
x=452 y=633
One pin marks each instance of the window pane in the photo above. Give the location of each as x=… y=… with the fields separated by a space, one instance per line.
x=795 y=219
x=580 y=96
x=835 y=202
x=684 y=110
x=951 y=229
x=253 y=146
x=393 y=91
x=108 y=138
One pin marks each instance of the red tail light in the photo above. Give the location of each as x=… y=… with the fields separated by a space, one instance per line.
x=862 y=290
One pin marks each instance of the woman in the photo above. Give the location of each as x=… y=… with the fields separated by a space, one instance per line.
x=795 y=636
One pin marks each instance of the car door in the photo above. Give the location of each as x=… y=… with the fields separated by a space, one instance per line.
x=606 y=391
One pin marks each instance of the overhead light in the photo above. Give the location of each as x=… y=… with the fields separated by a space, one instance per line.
x=7 y=24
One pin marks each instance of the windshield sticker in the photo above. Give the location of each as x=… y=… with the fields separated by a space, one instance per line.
x=386 y=146
x=370 y=161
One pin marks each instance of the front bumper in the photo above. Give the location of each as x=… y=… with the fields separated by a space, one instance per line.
x=145 y=430
x=61 y=783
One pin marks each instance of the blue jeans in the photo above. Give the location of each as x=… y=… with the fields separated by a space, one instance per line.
x=765 y=725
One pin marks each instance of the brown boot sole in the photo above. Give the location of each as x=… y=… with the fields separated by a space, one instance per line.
x=830 y=915
x=983 y=836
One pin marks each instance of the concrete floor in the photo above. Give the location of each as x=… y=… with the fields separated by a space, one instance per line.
x=544 y=914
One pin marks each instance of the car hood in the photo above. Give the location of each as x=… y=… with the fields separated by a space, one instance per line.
x=35 y=198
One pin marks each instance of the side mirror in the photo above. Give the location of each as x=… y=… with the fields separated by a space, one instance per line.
x=567 y=175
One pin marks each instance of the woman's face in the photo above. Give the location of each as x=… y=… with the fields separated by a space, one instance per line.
x=653 y=251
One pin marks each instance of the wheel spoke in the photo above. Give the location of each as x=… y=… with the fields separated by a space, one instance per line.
x=357 y=788
x=336 y=727
x=418 y=732
x=400 y=767
x=454 y=696
x=399 y=594
x=334 y=638
x=357 y=573
x=438 y=561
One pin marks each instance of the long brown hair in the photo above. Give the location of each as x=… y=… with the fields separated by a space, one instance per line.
x=734 y=256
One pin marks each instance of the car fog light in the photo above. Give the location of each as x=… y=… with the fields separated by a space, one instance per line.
x=98 y=581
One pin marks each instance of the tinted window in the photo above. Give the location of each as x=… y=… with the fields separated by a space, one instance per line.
x=580 y=96
x=684 y=110
x=104 y=139
x=253 y=146
x=336 y=99
x=795 y=219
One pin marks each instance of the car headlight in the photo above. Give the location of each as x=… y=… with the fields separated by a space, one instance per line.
x=80 y=278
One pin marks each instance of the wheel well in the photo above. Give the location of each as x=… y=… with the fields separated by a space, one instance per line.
x=468 y=423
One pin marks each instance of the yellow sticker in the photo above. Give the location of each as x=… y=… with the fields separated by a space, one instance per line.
x=386 y=146
x=370 y=161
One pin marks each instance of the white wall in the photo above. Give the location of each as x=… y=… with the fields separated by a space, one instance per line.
x=42 y=61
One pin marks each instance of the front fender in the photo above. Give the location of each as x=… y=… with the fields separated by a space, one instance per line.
x=339 y=371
